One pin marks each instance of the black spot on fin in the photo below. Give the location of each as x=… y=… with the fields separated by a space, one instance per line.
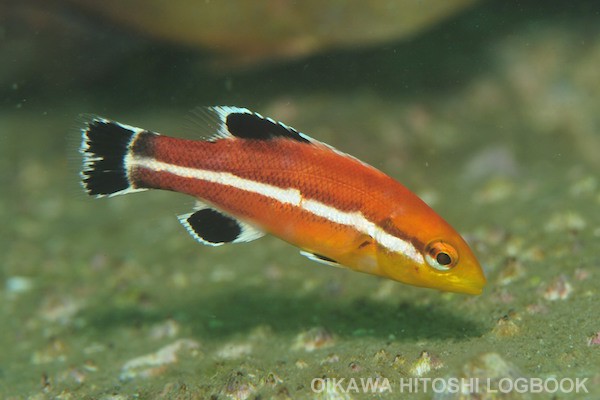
x=246 y=125
x=213 y=227
x=105 y=146
x=320 y=258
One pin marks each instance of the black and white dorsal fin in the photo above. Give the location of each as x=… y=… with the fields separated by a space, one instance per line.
x=214 y=227
x=319 y=258
x=241 y=123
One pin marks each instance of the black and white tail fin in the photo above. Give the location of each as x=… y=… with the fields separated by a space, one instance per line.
x=106 y=146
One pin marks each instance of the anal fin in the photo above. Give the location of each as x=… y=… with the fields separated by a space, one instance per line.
x=213 y=227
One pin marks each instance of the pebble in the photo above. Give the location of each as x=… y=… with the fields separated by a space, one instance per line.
x=239 y=386
x=330 y=359
x=558 y=289
x=18 y=284
x=425 y=364
x=507 y=326
x=594 y=340
x=313 y=339
x=381 y=356
x=273 y=379
x=232 y=351
x=154 y=364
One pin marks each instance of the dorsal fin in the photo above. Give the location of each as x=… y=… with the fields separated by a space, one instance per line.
x=228 y=122
x=241 y=123
x=254 y=126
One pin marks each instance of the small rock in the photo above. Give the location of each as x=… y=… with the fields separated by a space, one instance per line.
x=313 y=339
x=273 y=379
x=156 y=363
x=239 y=386
x=399 y=361
x=381 y=356
x=425 y=364
x=594 y=340
x=232 y=351
x=558 y=289
x=506 y=326
x=330 y=359
x=18 y=284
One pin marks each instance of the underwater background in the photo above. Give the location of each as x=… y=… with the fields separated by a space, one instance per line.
x=488 y=110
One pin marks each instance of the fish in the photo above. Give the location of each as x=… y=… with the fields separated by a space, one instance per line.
x=255 y=176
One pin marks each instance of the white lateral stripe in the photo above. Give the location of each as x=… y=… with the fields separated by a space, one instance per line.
x=286 y=196
x=360 y=223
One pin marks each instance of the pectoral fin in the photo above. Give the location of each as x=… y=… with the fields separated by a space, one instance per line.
x=320 y=259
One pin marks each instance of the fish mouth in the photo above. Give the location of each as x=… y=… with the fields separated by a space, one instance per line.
x=475 y=289
x=473 y=285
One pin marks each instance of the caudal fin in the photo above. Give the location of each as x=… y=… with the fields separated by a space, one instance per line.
x=105 y=146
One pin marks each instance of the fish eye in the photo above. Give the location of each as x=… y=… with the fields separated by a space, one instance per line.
x=441 y=255
x=443 y=258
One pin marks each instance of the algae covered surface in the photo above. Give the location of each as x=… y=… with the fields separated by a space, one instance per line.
x=491 y=117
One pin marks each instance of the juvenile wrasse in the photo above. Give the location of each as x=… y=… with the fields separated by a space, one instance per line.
x=257 y=176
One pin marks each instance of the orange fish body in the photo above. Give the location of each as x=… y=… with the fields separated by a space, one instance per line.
x=257 y=176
